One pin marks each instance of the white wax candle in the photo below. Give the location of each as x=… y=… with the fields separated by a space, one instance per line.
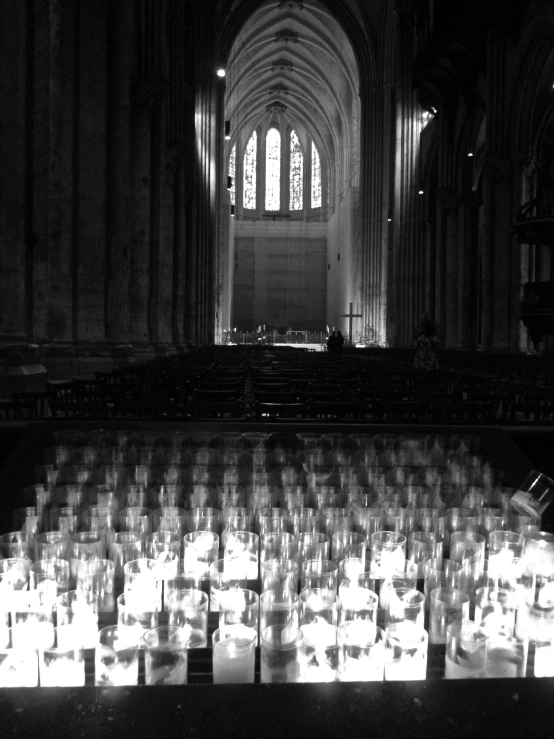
x=233 y=660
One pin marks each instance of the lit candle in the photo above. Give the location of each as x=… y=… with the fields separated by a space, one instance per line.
x=233 y=658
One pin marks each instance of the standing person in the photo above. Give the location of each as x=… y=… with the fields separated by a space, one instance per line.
x=340 y=341
x=427 y=343
x=332 y=342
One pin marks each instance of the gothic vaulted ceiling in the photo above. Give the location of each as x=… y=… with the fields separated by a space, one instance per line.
x=292 y=58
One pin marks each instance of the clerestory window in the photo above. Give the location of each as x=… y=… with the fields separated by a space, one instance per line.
x=291 y=179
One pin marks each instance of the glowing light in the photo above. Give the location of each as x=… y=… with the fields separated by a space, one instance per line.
x=220 y=72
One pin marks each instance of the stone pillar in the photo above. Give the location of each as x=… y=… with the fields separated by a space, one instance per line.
x=145 y=92
x=13 y=91
x=119 y=251
x=92 y=171
x=449 y=204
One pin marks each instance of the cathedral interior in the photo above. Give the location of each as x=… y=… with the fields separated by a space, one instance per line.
x=423 y=129
x=176 y=174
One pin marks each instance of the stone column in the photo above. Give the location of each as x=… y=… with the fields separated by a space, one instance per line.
x=92 y=172
x=119 y=251
x=145 y=92
x=13 y=91
x=449 y=204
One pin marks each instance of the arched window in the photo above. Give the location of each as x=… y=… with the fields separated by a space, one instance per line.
x=273 y=170
x=249 y=172
x=232 y=170
x=296 y=173
x=289 y=168
x=316 y=178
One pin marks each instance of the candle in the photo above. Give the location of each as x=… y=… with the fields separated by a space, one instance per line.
x=233 y=658
x=320 y=652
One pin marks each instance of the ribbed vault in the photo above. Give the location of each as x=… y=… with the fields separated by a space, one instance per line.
x=297 y=54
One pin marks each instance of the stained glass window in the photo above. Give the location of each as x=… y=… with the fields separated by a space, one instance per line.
x=273 y=170
x=316 y=178
x=249 y=169
x=232 y=169
x=296 y=173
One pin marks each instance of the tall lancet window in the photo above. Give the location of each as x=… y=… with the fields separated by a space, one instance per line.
x=232 y=170
x=249 y=169
x=273 y=170
x=316 y=178
x=296 y=173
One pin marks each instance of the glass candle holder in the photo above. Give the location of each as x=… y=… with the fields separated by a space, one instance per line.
x=116 y=660
x=102 y=520
x=303 y=521
x=61 y=666
x=236 y=519
x=348 y=544
x=190 y=614
x=279 y=573
x=279 y=654
x=17 y=545
x=319 y=573
x=278 y=607
x=404 y=578
x=239 y=611
x=405 y=604
x=162 y=546
x=367 y=521
x=270 y=521
x=401 y=520
x=388 y=553
x=172 y=519
x=201 y=549
x=85 y=546
x=49 y=576
x=312 y=546
x=242 y=554
x=495 y=611
x=141 y=576
x=165 y=656
x=222 y=577
x=320 y=652
x=317 y=605
x=440 y=573
x=467 y=545
x=125 y=547
x=32 y=622
x=18 y=665
x=491 y=519
x=466 y=651
x=446 y=606
x=135 y=617
x=52 y=545
x=98 y=577
x=533 y=495
x=363 y=651
x=358 y=604
x=203 y=518
x=504 y=548
x=351 y=572
x=405 y=652
x=277 y=546
x=233 y=658
x=77 y=617
x=421 y=547
x=14 y=573
x=459 y=519
x=137 y=520
x=334 y=519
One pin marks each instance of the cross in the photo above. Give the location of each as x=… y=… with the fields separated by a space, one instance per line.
x=350 y=316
